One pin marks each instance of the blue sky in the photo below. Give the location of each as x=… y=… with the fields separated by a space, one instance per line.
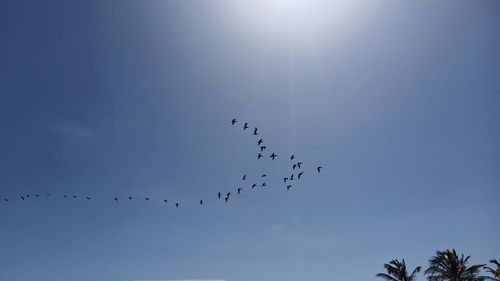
x=397 y=101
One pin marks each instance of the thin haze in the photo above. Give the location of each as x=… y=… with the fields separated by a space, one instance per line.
x=398 y=101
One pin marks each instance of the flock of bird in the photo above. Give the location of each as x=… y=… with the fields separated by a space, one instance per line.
x=296 y=166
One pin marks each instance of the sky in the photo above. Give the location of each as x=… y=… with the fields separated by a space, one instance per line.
x=397 y=101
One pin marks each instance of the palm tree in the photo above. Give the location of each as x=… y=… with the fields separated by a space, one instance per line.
x=448 y=266
x=495 y=273
x=396 y=271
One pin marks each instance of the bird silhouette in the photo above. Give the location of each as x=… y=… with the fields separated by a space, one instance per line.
x=6 y=200
x=254 y=185
x=48 y=194
x=299 y=175
x=27 y=196
x=130 y=198
x=319 y=169
x=288 y=187
x=245 y=126
x=177 y=205
x=292 y=157
x=65 y=196
x=263 y=176
x=228 y=194
x=262 y=148
x=264 y=184
x=165 y=200
x=260 y=142
x=227 y=198
x=147 y=198
x=116 y=199
x=285 y=179
x=219 y=194
x=294 y=166
x=255 y=131
x=239 y=190
x=273 y=156
x=88 y=198
x=201 y=202
x=37 y=195
x=244 y=177
x=298 y=164
x=259 y=156
x=22 y=197
x=291 y=177
x=74 y=196
x=233 y=121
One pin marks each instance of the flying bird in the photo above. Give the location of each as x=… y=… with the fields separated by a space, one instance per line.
x=244 y=177
x=285 y=179
x=260 y=142
x=219 y=194
x=245 y=126
x=116 y=199
x=233 y=121
x=288 y=187
x=65 y=196
x=48 y=194
x=130 y=198
x=22 y=197
x=254 y=185
x=264 y=184
x=239 y=190
x=291 y=177
x=177 y=205
x=319 y=169
x=273 y=156
x=262 y=148
x=255 y=131
x=299 y=175
x=298 y=164
x=263 y=176
x=292 y=157
x=228 y=194
x=201 y=202
x=259 y=156
x=88 y=198
x=6 y=200
x=27 y=196
x=147 y=198
x=227 y=198
x=294 y=166
x=38 y=195
x=165 y=200
x=74 y=196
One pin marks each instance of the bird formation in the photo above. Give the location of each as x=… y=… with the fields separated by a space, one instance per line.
x=297 y=173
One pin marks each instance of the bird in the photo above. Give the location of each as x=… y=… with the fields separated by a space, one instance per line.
x=147 y=198
x=130 y=198
x=65 y=196
x=116 y=199
x=74 y=196
x=88 y=198
x=22 y=197
x=228 y=194
x=264 y=184
x=259 y=156
x=244 y=177
x=298 y=164
x=239 y=190
x=201 y=202
x=37 y=195
x=27 y=196
x=254 y=185
x=262 y=148
x=165 y=200
x=245 y=126
x=291 y=177
x=233 y=121
x=177 y=205
x=285 y=179
x=48 y=194
x=260 y=142
x=219 y=194
x=299 y=175
x=273 y=156
x=6 y=200
x=255 y=131
x=263 y=176
x=294 y=166
x=227 y=198
x=288 y=187
x=319 y=169
x=292 y=157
